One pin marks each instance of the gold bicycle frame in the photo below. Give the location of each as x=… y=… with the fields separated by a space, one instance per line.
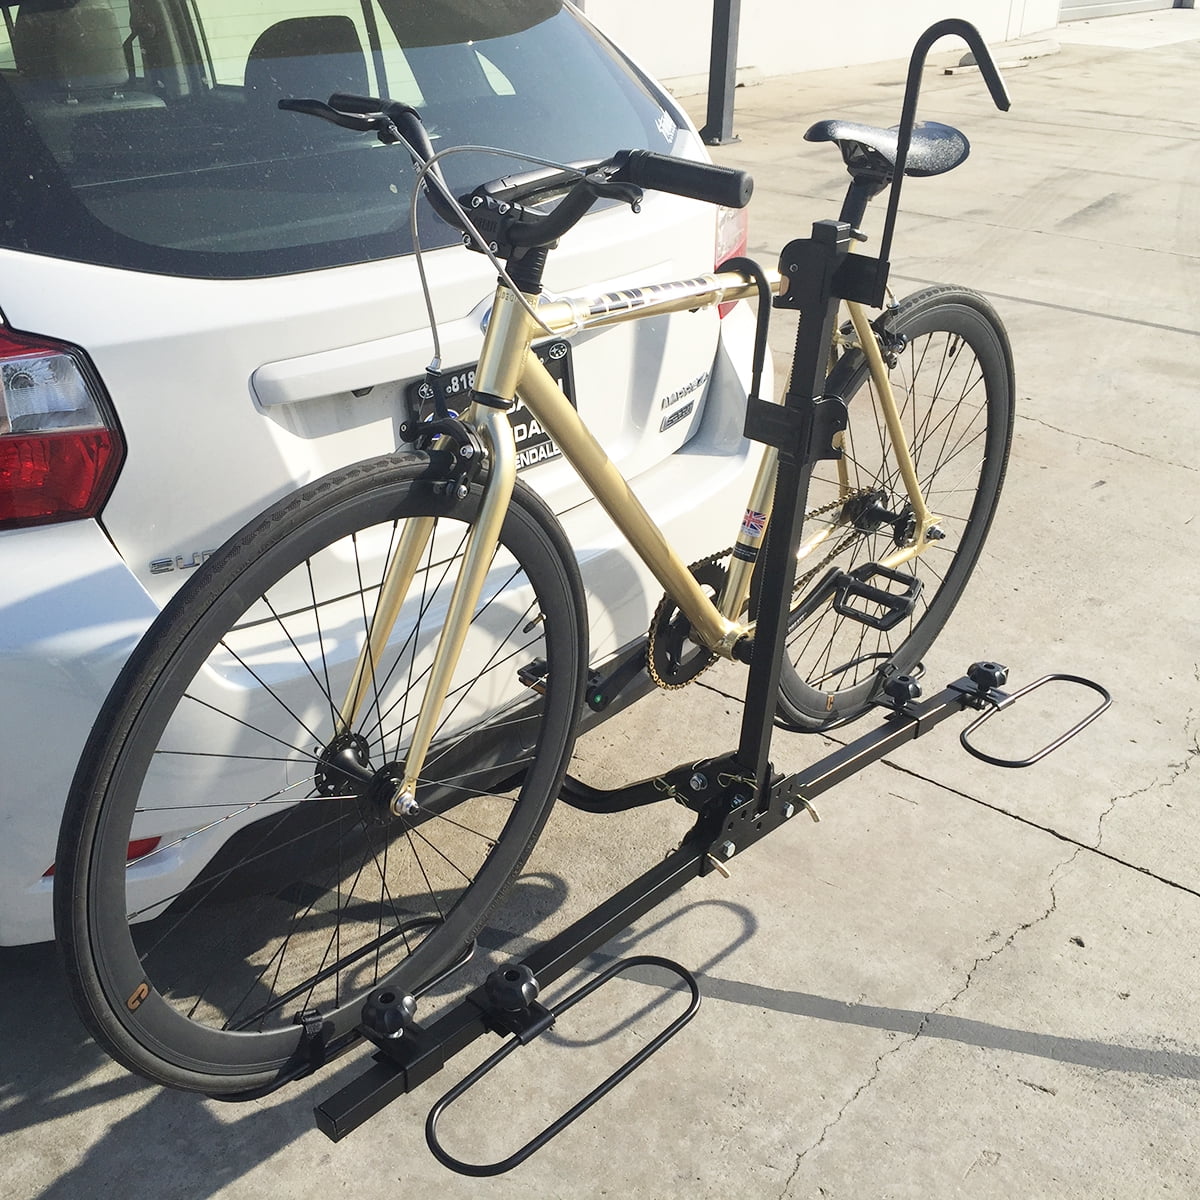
x=507 y=370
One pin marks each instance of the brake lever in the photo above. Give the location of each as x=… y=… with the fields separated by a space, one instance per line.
x=318 y=108
x=615 y=189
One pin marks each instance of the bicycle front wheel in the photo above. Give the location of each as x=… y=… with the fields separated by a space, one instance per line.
x=952 y=377
x=230 y=876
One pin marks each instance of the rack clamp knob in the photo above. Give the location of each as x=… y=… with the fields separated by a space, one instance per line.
x=981 y=686
x=987 y=675
x=513 y=1004
x=899 y=693
x=389 y=1013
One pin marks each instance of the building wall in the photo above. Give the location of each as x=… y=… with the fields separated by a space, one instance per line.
x=671 y=38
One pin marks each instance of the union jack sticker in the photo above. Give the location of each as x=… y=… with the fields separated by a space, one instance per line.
x=753 y=523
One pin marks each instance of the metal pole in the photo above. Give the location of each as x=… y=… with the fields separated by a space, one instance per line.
x=722 y=73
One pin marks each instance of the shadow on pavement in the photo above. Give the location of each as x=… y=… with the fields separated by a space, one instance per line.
x=1104 y=1056
x=53 y=1073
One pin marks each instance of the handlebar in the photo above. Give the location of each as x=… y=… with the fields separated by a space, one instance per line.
x=391 y=122
x=505 y=221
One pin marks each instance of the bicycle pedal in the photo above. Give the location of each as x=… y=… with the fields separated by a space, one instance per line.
x=890 y=607
x=533 y=675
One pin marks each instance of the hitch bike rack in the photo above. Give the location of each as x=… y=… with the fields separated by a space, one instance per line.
x=738 y=798
x=728 y=821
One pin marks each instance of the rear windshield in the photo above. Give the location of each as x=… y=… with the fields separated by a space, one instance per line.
x=146 y=133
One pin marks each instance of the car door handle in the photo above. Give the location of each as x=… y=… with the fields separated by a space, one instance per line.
x=342 y=370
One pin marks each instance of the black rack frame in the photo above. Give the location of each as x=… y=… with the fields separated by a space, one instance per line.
x=728 y=822
x=738 y=798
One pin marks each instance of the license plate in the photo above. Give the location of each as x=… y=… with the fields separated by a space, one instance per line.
x=534 y=444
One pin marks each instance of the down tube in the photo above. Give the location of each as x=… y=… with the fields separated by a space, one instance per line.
x=546 y=401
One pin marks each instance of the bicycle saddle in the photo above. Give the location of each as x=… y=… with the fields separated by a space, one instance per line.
x=934 y=149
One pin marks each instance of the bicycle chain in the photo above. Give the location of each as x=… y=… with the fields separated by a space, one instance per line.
x=803 y=581
x=666 y=605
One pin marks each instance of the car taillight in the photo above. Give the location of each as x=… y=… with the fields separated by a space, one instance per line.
x=733 y=236
x=60 y=449
x=138 y=848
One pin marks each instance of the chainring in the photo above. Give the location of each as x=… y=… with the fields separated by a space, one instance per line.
x=672 y=658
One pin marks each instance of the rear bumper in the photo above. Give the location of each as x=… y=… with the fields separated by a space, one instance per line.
x=71 y=611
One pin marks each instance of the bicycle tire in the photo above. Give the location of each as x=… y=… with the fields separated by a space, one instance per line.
x=198 y=965
x=953 y=381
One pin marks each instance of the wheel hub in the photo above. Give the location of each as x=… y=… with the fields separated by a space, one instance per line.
x=870 y=512
x=344 y=769
x=382 y=802
x=344 y=766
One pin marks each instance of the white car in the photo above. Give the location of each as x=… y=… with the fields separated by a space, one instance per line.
x=205 y=302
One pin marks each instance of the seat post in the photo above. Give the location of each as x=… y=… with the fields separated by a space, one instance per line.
x=863 y=188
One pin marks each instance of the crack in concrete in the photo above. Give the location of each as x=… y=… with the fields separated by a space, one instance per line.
x=983 y=960
x=1191 y=731
x=842 y=1111
x=1054 y=833
x=704 y=685
x=939 y=1010
x=1083 y=437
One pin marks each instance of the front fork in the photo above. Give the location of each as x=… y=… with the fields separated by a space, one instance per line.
x=482 y=540
x=758 y=512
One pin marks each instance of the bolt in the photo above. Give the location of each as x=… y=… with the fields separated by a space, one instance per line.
x=494 y=247
x=727 y=849
x=789 y=810
x=462 y=491
x=476 y=201
x=698 y=782
x=466 y=452
x=404 y=804
x=502 y=208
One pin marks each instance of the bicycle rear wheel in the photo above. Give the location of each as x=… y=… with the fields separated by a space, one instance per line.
x=953 y=382
x=229 y=868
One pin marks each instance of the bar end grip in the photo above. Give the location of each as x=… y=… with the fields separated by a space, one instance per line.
x=683 y=177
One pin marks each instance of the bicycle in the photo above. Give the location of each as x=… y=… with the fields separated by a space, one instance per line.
x=372 y=764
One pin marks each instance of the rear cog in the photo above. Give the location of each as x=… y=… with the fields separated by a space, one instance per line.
x=672 y=658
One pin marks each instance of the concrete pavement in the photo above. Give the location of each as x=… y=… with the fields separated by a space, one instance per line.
x=963 y=981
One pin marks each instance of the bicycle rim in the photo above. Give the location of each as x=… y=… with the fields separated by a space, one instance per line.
x=222 y=876
x=952 y=379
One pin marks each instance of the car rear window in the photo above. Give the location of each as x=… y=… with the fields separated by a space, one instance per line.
x=146 y=133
